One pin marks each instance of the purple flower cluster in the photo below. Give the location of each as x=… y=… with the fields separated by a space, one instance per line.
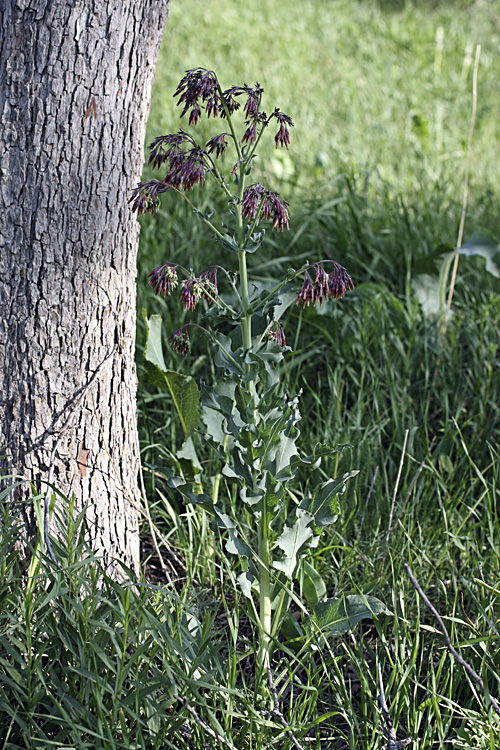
x=199 y=84
x=271 y=206
x=203 y=286
x=282 y=137
x=275 y=332
x=200 y=89
x=179 y=341
x=325 y=286
x=218 y=144
x=144 y=197
x=164 y=279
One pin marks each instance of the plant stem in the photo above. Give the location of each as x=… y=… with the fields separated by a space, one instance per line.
x=265 y=598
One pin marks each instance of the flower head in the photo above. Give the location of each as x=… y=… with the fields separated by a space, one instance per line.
x=191 y=292
x=321 y=289
x=187 y=170
x=203 y=286
x=199 y=86
x=164 y=279
x=339 y=281
x=168 y=148
x=274 y=332
x=306 y=293
x=218 y=144
x=208 y=279
x=282 y=137
x=272 y=206
x=250 y=134
x=144 y=197
x=333 y=285
x=179 y=341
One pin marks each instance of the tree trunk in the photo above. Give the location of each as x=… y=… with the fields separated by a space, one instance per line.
x=75 y=85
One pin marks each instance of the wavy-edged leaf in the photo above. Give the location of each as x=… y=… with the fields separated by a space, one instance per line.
x=292 y=540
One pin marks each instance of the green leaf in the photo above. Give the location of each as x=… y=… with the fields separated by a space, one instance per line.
x=324 y=504
x=341 y=614
x=292 y=540
x=313 y=585
x=182 y=388
x=485 y=247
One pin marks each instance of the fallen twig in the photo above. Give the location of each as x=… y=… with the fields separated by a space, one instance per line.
x=275 y=712
x=470 y=671
x=392 y=742
x=202 y=724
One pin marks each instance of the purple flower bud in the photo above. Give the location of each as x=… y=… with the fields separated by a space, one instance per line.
x=321 y=288
x=180 y=343
x=187 y=169
x=231 y=104
x=273 y=207
x=252 y=124
x=159 y=154
x=145 y=196
x=325 y=286
x=164 y=279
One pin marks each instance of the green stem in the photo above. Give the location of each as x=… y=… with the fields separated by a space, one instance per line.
x=265 y=598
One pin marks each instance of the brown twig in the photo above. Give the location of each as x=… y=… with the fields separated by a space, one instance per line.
x=202 y=724
x=275 y=712
x=392 y=742
x=470 y=671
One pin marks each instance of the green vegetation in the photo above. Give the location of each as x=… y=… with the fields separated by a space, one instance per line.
x=381 y=101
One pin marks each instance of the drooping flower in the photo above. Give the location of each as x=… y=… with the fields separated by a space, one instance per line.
x=339 y=281
x=274 y=332
x=208 y=279
x=272 y=206
x=282 y=137
x=218 y=144
x=168 y=148
x=321 y=288
x=191 y=293
x=199 y=84
x=326 y=286
x=164 y=279
x=254 y=96
x=306 y=293
x=144 y=197
x=179 y=341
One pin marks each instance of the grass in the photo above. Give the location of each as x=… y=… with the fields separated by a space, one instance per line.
x=381 y=109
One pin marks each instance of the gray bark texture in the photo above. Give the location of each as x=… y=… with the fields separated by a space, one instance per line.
x=75 y=85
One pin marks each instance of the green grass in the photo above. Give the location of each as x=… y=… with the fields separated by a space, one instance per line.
x=365 y=83
x=374 y=177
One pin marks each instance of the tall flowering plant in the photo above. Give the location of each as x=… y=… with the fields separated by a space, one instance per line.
x=252 y=425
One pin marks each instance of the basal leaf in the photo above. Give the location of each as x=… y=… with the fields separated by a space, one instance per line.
x=341 y=614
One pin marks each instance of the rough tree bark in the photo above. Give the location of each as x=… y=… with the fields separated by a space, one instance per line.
x=75 y=85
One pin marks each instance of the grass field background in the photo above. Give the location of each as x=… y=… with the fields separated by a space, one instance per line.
x=381 y=97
